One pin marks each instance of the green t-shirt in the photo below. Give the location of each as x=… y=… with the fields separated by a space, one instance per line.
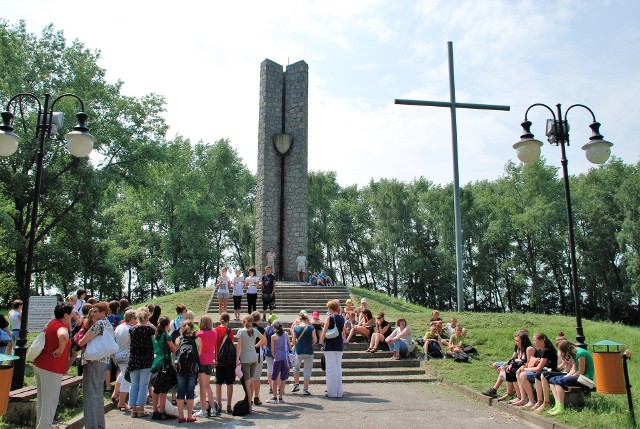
x=455 y=340
x=588 y=362
x=428 y=336
x=160 y=349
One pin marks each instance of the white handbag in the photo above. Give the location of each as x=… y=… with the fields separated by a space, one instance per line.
x=36 y=347
x=332 y=332
x=101 y=346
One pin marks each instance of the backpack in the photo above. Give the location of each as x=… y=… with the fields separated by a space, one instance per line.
x=434 y=350
x=227 y=352
x=241 y=408
x=461 y=357
x=175 y=332
x=187 y=358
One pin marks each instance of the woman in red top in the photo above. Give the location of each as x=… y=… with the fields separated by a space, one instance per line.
x=52 y=364
x=209 y=338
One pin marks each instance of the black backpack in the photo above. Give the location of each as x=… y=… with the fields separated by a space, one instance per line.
x=434 y=350
x=227 y=352
x=187 y=358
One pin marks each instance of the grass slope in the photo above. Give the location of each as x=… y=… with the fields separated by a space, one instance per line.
x=492 y=334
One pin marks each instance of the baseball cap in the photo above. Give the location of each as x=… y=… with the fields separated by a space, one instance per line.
x=303 y=312
x=272 y=318
x=363 y=300
x=276 y=323
x=315 y=314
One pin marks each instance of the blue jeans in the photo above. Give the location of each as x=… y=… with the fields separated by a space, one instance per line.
x=139 y=386
x=399 y=346
x=186 y=386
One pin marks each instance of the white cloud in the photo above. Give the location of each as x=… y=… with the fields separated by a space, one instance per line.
x=205 y=58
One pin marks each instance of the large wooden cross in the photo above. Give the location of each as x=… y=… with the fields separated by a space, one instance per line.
x=453 y=105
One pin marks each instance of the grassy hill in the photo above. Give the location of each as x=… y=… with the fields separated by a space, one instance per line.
x=492 y=334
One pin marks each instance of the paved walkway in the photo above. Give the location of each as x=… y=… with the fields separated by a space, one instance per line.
x=366 y=406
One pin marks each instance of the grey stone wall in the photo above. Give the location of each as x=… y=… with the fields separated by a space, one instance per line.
x=294 y=82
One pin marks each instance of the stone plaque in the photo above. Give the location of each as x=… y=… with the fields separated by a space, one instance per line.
x=283 y=142
x=40 y=312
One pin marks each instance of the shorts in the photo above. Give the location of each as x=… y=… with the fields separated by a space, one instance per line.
x=258 y=371
x=269 y=361
x=249 y=370
x=531 y=376
x=280 y=368
x=225 y=375
x=223 y=294
x=206 y=369
x=564 y=381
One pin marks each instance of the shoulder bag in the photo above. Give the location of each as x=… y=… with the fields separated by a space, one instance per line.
x=332 y=332
x=166 y=378
x=102 y=346
x=36 y=347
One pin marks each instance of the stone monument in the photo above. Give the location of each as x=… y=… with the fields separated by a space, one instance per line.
x=282 y=179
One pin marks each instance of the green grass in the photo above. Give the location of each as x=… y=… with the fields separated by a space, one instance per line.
x=492 y=334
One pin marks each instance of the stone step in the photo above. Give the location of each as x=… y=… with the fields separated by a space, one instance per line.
x=381 y=372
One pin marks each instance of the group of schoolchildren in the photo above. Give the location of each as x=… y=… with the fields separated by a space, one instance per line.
x=550 y=369
x=441 y=341
x=10 y=329
x=252 y=285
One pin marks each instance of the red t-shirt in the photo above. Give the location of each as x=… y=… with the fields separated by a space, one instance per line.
x=46 y=360
x=222 y=331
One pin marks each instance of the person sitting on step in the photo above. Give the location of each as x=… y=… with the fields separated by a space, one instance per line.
x=364 y=327
x=381 y=331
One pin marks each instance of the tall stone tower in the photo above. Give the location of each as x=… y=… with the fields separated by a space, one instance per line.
x=282 y=188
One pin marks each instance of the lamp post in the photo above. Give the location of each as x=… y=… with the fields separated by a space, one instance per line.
x=80 y=144
x=597 y=151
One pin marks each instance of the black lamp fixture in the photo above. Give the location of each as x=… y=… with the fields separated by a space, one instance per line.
x=80 y=144
x=597 y=151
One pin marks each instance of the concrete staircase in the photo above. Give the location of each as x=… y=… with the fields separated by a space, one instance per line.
x=358 y=366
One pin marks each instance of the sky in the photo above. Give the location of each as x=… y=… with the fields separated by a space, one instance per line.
x=204 y=58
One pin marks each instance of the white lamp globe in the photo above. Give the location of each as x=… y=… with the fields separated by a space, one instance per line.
x=80 y=143
x=528 y=150
x=598 y=151
x=8 y=143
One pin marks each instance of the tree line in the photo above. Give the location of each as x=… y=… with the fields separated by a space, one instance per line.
x=147 y=215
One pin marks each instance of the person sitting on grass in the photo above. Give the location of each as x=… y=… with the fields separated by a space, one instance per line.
x=399 y=341
x=437 y=321
x=547 y=357
x=582 y=365
x=381 y=331
x=364 y=327
x=433 y=342
x=455 y=349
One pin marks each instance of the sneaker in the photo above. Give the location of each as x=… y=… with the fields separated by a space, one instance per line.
x=281 y=400
x=201 y=413
x=273 y=400
x=296 y=388
x=306 y=392
x=490 y=392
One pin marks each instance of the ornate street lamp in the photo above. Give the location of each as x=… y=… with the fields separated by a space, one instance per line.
x=80 y=144
x=597 y=152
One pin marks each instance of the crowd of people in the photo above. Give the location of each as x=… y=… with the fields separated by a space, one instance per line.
x=548 y=368
x=148 y=342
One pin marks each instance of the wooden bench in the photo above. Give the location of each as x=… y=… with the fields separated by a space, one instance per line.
x=22 y=404
x=574 y=396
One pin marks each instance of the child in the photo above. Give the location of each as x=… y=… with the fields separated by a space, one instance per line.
x=432 y=342
x=349 y=306
x=348 y=324
x=251 y=282
x=223 y=284
x=437 y=321
x=280 y=349
x=238 y=291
